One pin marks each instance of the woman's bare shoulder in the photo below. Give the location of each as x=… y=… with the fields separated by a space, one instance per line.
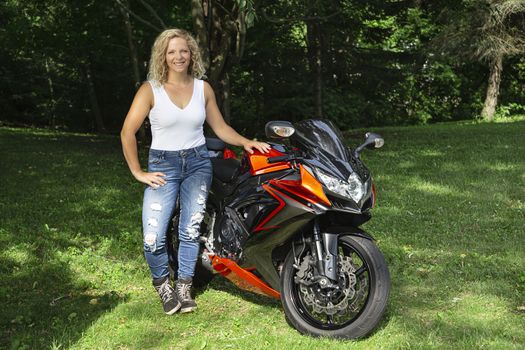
x=208 y=90
x=145 y=93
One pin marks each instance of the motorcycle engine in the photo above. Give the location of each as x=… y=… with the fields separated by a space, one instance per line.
x=231 y=235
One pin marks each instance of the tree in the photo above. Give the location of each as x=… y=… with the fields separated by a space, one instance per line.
x=133 y=54
x=312 y=15
x=504 y=35
x=220 y=27
x=487 y=31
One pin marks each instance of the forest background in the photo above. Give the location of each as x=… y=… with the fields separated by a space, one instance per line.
x=75 y=64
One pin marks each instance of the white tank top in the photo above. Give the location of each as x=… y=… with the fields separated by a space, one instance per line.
x=173 y=128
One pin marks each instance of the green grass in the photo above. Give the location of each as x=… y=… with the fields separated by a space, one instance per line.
x=450 y=220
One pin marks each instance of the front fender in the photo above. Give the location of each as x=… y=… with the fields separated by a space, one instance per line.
x=352 y=231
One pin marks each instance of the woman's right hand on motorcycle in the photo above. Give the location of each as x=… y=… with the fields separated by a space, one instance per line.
x=153 y=179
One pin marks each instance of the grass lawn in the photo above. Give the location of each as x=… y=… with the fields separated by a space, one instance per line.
x=450 y=220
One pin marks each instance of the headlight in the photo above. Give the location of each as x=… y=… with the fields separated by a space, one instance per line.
x=354 y=188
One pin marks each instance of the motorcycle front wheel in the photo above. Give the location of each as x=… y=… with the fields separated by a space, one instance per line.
x=349 y=308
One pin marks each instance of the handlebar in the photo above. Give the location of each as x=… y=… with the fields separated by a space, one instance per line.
x=285 y=158
x=278 y=159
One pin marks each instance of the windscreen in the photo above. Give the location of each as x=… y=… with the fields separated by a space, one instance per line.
x=322 y=135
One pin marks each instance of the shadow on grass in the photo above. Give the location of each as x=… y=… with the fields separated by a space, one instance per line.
x=223 y=284
x=45 y=302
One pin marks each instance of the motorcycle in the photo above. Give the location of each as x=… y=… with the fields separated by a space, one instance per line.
x=286 y=224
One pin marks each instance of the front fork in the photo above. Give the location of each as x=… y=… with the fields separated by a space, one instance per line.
x=325 y=247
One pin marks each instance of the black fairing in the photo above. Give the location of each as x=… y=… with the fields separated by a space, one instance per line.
x=242 y=205
x=322 y=142
x=225 y=169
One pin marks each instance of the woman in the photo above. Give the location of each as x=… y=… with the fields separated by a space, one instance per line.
x=177 y=103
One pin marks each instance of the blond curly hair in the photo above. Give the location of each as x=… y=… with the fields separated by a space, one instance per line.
x=158 y=69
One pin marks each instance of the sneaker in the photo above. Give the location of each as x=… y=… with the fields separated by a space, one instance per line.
x=167 y=294
x=183 y=288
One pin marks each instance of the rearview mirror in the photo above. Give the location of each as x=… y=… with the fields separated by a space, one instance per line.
x=372 y=140
x=279 y=129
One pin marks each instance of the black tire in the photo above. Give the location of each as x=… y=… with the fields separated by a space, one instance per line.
x=202 y=276
x=364 y=312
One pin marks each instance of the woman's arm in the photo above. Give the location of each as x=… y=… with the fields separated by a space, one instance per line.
x=139 y=110
x=223 y=130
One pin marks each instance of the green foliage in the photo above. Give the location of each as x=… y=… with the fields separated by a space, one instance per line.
x=55 y=41
x=382 y=61
x=509 y=110
x=248 y=7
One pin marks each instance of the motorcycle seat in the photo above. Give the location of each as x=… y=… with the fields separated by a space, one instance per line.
x=215 y=144
x=225 y=170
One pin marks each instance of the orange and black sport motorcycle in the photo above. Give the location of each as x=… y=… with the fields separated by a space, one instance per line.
x=285 y=224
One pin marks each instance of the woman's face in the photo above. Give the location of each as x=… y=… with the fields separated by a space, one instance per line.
x=178 y=55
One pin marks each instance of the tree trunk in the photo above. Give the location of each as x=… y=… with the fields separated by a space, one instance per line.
x=221 y=42
x=491 y=100
x=132 y=49
x=133 y=55
x=95 y=109
x=313 y=36
x=220 y=55
x=225 y=88
x=201 y=31
x=53 y=100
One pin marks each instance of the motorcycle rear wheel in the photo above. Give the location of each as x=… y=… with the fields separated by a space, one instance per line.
x=365 y=305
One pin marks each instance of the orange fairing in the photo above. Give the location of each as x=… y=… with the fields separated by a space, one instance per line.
x=307 y=188
x=259 y=162
x=310 y=183
x=242 y=278
x=373 y=195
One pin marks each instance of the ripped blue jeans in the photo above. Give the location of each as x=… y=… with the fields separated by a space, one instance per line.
x=188 y=176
